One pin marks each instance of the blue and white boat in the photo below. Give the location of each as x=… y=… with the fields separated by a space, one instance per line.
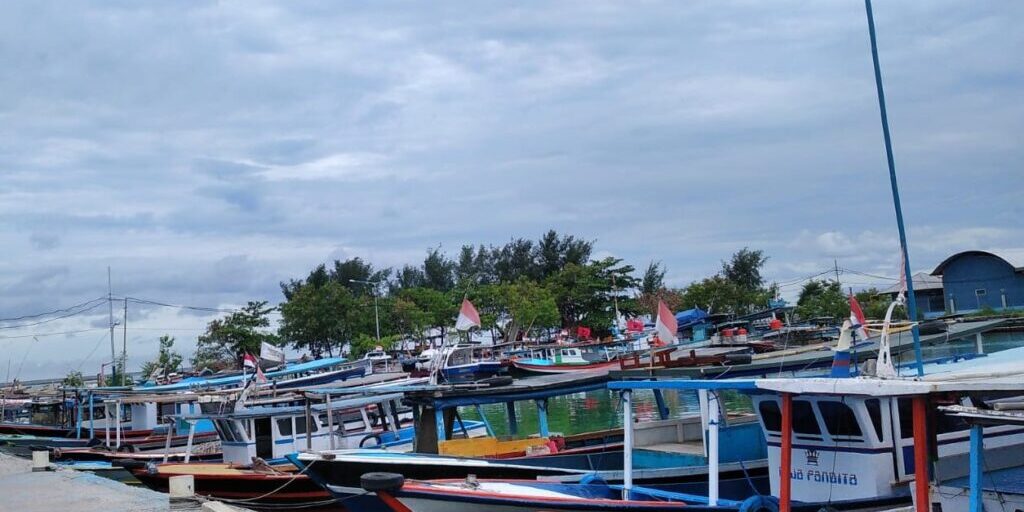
x=469 y=363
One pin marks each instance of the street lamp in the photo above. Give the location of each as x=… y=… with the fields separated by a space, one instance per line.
x=376 y=312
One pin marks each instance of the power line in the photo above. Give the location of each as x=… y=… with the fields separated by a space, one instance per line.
x=56 y=311
x=54 y=319
x=179 y=306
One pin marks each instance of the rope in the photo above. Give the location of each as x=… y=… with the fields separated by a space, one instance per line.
x=260 y=497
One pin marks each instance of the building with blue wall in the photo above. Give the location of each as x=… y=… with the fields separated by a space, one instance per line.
x=974 y=280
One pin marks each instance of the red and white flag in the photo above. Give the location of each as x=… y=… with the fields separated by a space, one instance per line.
x=260 y=378
x=857 y=318
x=468 y=317
x=250 y=361
x=666 y=324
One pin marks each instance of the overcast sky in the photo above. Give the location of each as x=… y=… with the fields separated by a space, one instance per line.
x=208 y=150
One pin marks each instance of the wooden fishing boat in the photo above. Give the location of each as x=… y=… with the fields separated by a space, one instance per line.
x=564 y=358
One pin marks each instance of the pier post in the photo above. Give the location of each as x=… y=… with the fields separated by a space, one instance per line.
x=181 y=487
x=979 y=343
x=429 y=426
x=627 y=443
x=40 y=460
x=713 y=412
x=513 y=423
x=659 y=399
x=921 y=495
x=167 y=442
x=542 y=416
x=786 y=455
x=977 y=467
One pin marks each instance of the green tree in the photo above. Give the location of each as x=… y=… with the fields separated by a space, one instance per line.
x=653 y=279
x=73 y=380
x=822 y=298
x=228 y=339
x=744 y=269
x=437 y=309
x=587 y=294
x=438 y=271
x=526 y=305
x=319 y=318
x=167 y=361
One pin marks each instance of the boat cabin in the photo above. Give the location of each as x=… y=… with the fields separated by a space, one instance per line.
x=857 y=447
x=270 y=433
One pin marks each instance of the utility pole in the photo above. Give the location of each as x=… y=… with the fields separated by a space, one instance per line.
x=110 y=307
x=836 y=263
x=124 y=344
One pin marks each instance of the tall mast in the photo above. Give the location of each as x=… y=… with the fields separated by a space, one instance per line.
x=911 y=300
x=110 y=307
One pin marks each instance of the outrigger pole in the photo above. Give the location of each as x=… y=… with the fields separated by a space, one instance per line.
x=911 y=301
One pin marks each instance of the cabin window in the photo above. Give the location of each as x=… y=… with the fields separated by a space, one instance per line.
x=284 y=426
x=804 y=420
x=906 y=418
x=771 y=416
x=874 y=408
x=839 y=419
x=300 y=425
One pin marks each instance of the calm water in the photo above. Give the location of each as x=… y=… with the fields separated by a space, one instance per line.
x=601 y=409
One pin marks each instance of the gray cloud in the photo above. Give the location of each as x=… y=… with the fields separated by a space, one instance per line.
x=207 y=151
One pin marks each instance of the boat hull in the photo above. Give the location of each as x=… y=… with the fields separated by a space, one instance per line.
x=220 y=480
x=543 y=369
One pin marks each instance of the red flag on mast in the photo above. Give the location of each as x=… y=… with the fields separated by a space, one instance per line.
x=666 y=324
x=468 y=316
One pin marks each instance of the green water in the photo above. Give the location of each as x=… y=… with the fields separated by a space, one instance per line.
x=601 y=409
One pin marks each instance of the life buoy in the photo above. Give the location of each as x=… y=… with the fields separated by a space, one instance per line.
x=760 y=503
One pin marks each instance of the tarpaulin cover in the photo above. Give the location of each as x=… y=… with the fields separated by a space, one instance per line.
x=690 y=317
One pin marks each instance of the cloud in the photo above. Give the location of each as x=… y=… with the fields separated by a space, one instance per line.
x=207 y=152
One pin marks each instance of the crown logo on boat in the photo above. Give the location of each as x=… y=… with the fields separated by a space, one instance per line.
x=812 y=457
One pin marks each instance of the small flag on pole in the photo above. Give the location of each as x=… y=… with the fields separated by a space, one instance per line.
x=468 y=317
x=260 y=378
x=250 y=361
x=857 y=321
x=666 y=324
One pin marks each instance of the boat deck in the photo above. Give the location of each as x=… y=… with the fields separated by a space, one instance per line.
x=804 y=358
x=1005 y=481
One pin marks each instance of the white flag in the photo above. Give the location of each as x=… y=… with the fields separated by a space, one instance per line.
x=271 y=353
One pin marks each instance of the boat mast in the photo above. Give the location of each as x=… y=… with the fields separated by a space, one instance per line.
x=911 y=301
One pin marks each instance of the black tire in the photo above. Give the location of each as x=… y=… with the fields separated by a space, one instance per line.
x=374 y=482
x=376 y=436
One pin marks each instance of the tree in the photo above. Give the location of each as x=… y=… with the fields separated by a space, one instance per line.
x=822 y=298
x=526 y=305
x=654 y=278
x=744 y=269
x=319 y=319
x=227 y=339
x=167 y=361
x=875 y=303
x=437 y=308
x=587 y=294
x=438 y=271
x=73 y=380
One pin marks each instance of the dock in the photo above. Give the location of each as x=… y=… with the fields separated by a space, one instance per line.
x=25 y=490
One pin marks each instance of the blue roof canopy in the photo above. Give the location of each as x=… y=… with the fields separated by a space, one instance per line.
x=690 y=317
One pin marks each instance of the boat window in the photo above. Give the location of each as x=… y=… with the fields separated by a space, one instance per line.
x=906 y=418
x=875 y=413
x=839 y=419
x=300 y=425
x=284 y=426
x=804 y=420
x=771 y=416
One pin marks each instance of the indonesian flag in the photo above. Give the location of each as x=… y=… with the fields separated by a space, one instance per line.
x=857 y=320
x=666 y=325
x=250 y=361
x=468 y=317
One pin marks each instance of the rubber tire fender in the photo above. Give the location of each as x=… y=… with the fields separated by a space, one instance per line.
x=374 y=482
x=760 y=503
x=374 y=435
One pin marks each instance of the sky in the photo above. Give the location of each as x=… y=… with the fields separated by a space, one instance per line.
x=206 y=151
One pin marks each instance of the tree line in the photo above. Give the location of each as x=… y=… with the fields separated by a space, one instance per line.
x=522 y=288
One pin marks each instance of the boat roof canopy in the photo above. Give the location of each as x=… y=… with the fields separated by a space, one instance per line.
x=834 y=386
x=260 y=412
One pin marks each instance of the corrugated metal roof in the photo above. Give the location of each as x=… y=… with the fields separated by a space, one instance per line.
x=922 y=281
